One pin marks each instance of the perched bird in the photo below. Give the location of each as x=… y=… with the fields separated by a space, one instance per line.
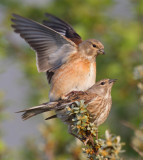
x=69 y=62
x=98 y=100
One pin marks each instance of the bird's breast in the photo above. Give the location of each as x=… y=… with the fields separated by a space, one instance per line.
x=99 y=109
x=84 y=75
x=78 y=74
x=91 y=76
x=104 y=111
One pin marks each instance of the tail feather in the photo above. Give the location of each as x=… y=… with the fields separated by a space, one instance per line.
x=28 y=113
x=51 y=117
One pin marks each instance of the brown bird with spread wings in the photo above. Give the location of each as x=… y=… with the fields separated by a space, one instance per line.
x=69 y=62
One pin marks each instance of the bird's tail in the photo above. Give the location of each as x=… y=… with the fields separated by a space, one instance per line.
x=28 y=113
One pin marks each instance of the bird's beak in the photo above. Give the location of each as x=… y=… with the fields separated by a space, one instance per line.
x=112 y=80
x=101 y=51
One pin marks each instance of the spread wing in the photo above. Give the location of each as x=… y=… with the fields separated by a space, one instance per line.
x=62 y=27
x=52 y=48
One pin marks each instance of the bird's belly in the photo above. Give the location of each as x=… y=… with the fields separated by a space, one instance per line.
x=103 y=116
x=85 y=81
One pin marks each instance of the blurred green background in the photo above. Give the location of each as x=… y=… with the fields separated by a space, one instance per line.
x=118 y=24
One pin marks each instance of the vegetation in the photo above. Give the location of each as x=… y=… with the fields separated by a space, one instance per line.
x=122 y=37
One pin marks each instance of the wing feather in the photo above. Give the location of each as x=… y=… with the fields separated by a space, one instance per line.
x=62 y=27
x=52 y=49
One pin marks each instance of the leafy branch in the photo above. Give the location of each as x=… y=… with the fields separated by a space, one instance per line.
x=87 y=132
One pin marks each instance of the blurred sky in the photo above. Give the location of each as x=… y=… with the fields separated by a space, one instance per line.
x=16 y=88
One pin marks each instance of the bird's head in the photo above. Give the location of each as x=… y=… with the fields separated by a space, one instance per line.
x=91 y=48
x=103 y=87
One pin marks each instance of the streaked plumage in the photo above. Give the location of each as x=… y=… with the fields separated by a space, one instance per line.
x=98 y=99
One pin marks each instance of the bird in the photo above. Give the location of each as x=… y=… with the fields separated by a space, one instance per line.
x=97 y=98
x=69 y=62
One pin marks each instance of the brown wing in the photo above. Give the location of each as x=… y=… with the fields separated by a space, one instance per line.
x=52 y=49
x=62 y=27
x=80 y=95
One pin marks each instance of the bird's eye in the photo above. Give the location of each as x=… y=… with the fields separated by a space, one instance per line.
x=102 y=83
x=94 y=45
